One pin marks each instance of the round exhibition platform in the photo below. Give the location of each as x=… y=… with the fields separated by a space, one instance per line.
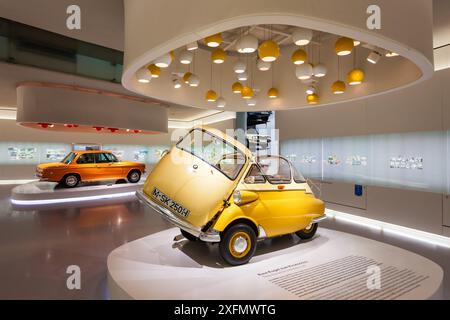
x=333 y=265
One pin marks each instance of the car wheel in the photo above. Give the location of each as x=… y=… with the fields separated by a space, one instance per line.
x=238 y=244
x=71 y=181
x=308 y=232
x=188 y=236
x=134 y=176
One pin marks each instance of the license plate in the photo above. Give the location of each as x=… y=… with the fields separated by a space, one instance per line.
x=169 y=203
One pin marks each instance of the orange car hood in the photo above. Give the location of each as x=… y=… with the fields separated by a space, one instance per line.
x=56 y=165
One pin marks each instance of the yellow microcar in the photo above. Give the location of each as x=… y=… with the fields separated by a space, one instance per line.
x=214 y=189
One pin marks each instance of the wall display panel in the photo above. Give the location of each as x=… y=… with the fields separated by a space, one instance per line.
x=306 y=156
x=30 y=153
x=146 y=154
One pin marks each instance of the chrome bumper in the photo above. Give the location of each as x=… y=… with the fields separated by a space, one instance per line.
x=319 y=219
x=169 y=216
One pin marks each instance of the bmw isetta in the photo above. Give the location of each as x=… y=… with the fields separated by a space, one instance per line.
x=214 y=189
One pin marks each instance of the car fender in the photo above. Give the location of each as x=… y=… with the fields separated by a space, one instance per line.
x=229 y=215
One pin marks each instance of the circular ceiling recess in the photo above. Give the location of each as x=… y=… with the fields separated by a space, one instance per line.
x=249 y=58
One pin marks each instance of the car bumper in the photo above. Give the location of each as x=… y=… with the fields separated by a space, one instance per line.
x=319 y=219
x=171 y=217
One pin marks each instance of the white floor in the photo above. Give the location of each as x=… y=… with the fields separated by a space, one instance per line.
x=333 y=265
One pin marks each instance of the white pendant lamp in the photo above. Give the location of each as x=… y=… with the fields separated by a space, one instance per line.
x=239 y=67
x=304 y=71
x=243 y=76
x=186 y=57
x=194 y=81
x=143 y=75
x=320 y=71
x=263 y=65
x=310 y=90
x=221 y=102
x=192 y=46
x=251 y=102
x=165 y=60
x=247 y=44
x=176 y=83
x=302 y=37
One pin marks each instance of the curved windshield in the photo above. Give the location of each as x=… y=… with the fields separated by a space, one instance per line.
x=298 y=177
x=277 y=170
x=69 y=158
x=215 y=151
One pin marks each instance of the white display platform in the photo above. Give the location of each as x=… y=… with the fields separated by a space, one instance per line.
x=331 y=266
x=45 y=193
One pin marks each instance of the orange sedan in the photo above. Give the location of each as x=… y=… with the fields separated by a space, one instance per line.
x=85 y=166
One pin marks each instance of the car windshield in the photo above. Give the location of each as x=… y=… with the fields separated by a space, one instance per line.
x=215 y=151
x=277 y=170
x=298 y=177
x=69 y=158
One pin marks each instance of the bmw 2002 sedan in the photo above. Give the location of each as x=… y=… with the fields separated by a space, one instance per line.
x=85 y=166
x=214 y=189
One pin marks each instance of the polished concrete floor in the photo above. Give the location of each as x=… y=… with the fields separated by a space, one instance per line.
x=37 y=246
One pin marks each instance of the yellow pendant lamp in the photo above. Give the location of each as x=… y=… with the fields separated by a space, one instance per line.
x=312 y=98
x=237 y=87
x=186 y=77
x=218 y=56
x=344 y=46
x=273 y=93
x=355 y=77
x=269 y=51
x=155 y=70
x=214 y=41
x=299 y=57
x=211 y=96
x=247 y=93
x=338 y=87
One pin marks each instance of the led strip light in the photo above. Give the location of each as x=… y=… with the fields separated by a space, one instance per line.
x=390 y=228
x=77 y=199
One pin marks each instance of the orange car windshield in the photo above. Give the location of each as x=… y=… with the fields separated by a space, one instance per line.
x=69 y=158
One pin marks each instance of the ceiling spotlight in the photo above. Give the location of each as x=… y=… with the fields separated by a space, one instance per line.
x=194 y=81
x=269 y=51
x=176 y=83
x=320 y=71
x=154 y=70
x=302 y=37
x=312 y=98
x=304 y=71
x=243 y=76
x=143 y=75
x=391 y=54
x=165 y=60
x=211 y=96
x=273 y=93
x=344 y=46
x=98 y=129
x=214 y=41
x=251 y=102
x=221 y=103
x=237 y=87
x=247 y=93
x=355 y=77
x=239 y=67
x=218 y=56
x=310 y=90
x=299 y=57
x=338 y=87
x=186 y=57
x=356 y=43
x=374 y=57
x=263 y=66
x=247 y=44
x=192 y=46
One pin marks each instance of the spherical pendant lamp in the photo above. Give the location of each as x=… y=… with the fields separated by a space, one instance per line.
x=214 y=41
x=154 y=70
x=273 y=93
x=192 y=46
x=186 y=77
x=218 y=56
x=310 y=90
x=247 y=93
x=194 y=81
x=344 y=46
x=312 y=98
x=299 y=57
x=186 y=57
x=251 y=102
x=269 y=51
x=239 y=67
x=263 y=66
x=165 y=60
x=143 y=75
x=304 y=71
x=247 y=44
x=237 y=87
x=211 y=96
x=243 y=76
x=302 y=37
x=320 y=71
x=221 y=102
x=338 y=87
x=355 y=77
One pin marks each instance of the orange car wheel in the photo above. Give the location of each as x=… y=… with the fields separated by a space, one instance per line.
x=71 y=180
x=134 y=176
x=238 y=244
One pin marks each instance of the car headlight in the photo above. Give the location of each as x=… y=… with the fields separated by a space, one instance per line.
x=237 y=197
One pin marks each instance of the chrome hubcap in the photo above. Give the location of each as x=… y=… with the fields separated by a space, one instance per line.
x=134 y=176
x=240 y=245
x=71 y=181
